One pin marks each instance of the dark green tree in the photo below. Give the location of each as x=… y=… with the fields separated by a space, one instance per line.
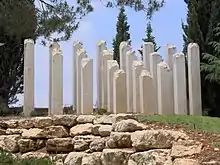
x=122 y=33
x=149 y=38
x=202 y=19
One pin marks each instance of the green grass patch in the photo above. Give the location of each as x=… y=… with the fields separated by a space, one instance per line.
x=201 y=123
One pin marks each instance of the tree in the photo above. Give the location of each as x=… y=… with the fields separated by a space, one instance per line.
x=149 y=38
x=202 y=19
x=122 y=33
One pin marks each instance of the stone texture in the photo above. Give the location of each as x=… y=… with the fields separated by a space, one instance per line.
x=27 y=145
x=83 y=119
x=185 y=161
x=105 y=130
x=74 y=158
x=25 y=123
x=2 y=132
x=65 y=120
x=32 y=133
x=37 y=155
x=54 y=132
x=9 y=142
x=119 y=140
x=41 y=122
x=123 y=49
x=148 y=48
x=58 y=145
x=92 y=159
x=128 y=125
x=81 y=129
x=10 y=131
x=170 y=51
x=11 y=123
x=97 y=145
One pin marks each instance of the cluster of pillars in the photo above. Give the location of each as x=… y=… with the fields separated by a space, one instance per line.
x=151 y=86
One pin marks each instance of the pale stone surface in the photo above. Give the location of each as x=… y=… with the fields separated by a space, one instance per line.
x=57 y=145
x=11 y=123
x=57 y=83
x=97 y=145
x=10 y=142
x=116 y=156
x=54 y=45
x=148 y=48
x=92 y=159
x=74 y=158
x=28 y=77
x=128 y=125
x=179 y=83
x=11 y=131
x=194 y=78
x=107 y=55
x=37 y=155
x=82 y=119
x=65 y=120
x=148 y=94
x=100 y=47
x=165 y=89
x=81 y=129
x=2 y=132
x=87 y=86
x=185 y=161
x=41 y=122
x=32 y=133
x=105 y=130
x=155 y=59
x=81 y=53
x=137 y=67
x=123 y=49
x=152 y=157
x=119 y=92
x=119 y=140
x=112 y=67
x=77 y=45
x=130 y=57
x=25 y=123
x=27 y=145
x=54 y=132
x=170 y=51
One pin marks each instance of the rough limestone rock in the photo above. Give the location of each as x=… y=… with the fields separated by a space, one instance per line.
x=9 y=142
x=97 y=145
x=116 y=156
x=54 y=132
x=3 y=124
x=42 y=122
x=128 y=125
x=2 y=132
x=11 y=123
x=83 y=119
x=186 y=148
x=185 y=162
x=74 y=158
x=81 y=129
x=59 y=145
x=152 y=157
x=11 y=131
x=25 y=123
x=37 y=155
x=65 y=120
x=95 y=129
x=92 y=159
x=155 y=139
x=27 y=145
x=119 y=140
x=123 y=116
x=105 y=130
x=32 y=133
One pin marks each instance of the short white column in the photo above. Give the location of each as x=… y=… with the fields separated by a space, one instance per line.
x=28 y=77
x=165 y=89
x=87 y=86
x=179 y=83
x=170 y=51
x=148 y=48
x=123 y=49
x=119 y=92
x=112 y=67
x=195 y=101
x=137 y=67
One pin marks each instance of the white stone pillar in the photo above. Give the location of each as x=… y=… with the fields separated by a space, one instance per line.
x=148 y=95
x=107 y=55
x=179 y=83
x=54 y=45
x=87 y=86
x=137 y=67
x=130 y=57
x=112 y=67
x=119 y=92
x=28 y=77
x=99 y=72
x=170 y=51
x=195 y=101
x=81 y=53
x=148 y=48
x=57 y=83
x=155 y=59
x=123 y=49
x=76 y=46
x=165 y=89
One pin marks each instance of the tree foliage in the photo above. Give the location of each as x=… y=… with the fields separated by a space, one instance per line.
x=122 y=33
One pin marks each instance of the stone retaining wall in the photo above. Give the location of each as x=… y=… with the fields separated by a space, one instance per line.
x=96 y=140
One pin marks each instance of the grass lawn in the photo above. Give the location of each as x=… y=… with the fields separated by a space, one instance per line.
x=200 y=123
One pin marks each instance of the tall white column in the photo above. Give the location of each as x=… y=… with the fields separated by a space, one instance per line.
x=112 y=67
x=179 y=83
x=148 y=48
x=87 y=86
x=137 y=67
x=123 y=49
x=54 y=45
x=148 y=95
x=195 y=101
x=165 y=89
x=155 y=59
x=99 y=72
x=119 y=92
x=28 y=77
x=57 y=83
x=130 y=57
x=170 y=51
x=76 y=46
x=107 y=55
x=80 y=55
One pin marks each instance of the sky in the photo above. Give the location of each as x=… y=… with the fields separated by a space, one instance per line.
x=101 y=25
